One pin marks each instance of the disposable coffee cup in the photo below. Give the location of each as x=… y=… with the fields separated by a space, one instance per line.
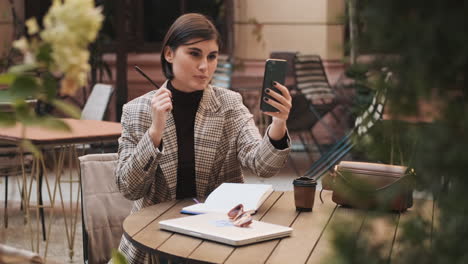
x=304 y=193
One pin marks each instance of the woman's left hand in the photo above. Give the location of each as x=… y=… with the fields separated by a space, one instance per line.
x=283 y=104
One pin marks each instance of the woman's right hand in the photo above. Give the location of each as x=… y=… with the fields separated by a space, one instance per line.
x=161 y=105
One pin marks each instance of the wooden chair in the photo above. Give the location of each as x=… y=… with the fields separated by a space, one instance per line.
x=300 y=123
x=223 y=74
x=303 y=116
x=311 y=82
x=103 y=207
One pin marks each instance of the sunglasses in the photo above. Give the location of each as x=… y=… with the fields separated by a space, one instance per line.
x=239 y=217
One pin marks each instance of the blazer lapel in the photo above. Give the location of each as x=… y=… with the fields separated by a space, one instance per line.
x=208 y=131
x=169 y=160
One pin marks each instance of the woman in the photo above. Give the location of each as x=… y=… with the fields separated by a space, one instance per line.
x=187 y=137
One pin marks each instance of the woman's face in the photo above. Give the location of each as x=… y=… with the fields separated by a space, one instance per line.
x=193 y=65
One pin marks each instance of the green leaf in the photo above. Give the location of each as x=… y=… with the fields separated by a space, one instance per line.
x=50 y=85
x=29 y=146
x=7 y=119
x=24 y=87
x=7 y=78
x=24 y=113
x=45 y=53
x=118 y=258
x=67 y=108
x=22 y=68
x=5 y=96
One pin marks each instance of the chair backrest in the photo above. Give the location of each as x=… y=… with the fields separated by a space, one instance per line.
x=103 y=207
x=371 y=115
x=311 y=78
x=374 y=111
x=97 y=102
x=223 y=73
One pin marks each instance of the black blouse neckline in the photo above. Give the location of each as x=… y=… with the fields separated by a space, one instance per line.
x=184 y=97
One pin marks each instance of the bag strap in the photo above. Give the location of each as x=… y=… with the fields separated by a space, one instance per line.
x=410 y=172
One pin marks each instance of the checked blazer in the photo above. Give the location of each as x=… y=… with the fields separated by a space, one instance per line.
x=225 y=139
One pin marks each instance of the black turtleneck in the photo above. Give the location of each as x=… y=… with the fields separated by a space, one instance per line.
x=185 y=106
x=184 y=109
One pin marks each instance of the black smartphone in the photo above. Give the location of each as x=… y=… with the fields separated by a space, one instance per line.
x=275 y=71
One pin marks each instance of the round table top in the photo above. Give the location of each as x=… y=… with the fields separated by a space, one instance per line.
x=310 y=241
x=142 y=229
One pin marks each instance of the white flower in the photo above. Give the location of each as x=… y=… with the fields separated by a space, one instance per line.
x=21 y=44
x=32 y=26
x=29 y=58
x=26 y=49
x=70 y=27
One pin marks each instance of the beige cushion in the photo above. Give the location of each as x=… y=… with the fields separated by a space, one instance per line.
x=104 y=208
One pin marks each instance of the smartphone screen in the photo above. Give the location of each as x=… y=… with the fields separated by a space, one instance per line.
x=275 y=71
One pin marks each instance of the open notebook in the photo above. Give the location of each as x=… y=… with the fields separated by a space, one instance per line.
x=228 y=195
x=218 y=227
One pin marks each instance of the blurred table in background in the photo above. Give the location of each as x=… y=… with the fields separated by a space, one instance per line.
x=62 y=145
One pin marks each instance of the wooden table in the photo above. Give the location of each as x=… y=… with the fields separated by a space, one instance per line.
x=82 y=131
x=64 y=143
x=310 y=241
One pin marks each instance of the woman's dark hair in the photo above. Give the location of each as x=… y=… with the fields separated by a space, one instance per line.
x=184 y=29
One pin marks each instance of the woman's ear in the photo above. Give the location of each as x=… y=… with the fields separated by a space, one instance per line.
x=168 y=54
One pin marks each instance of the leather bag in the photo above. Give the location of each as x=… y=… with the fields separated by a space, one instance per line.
x=372 y=186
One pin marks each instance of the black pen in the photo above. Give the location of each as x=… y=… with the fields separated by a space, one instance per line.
x=146 y=76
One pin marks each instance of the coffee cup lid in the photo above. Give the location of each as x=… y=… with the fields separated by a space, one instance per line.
x=305 y=181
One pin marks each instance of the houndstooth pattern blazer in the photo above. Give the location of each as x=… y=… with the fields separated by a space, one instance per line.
x=225 y=139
